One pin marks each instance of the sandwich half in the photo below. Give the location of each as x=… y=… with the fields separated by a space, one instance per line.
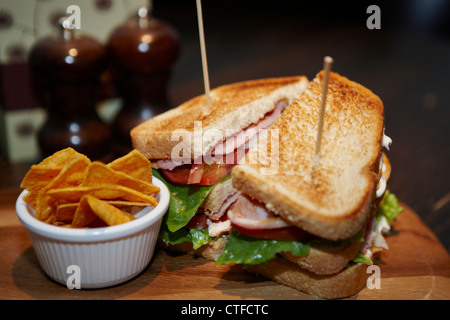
x=315 y=226
x=194 y=147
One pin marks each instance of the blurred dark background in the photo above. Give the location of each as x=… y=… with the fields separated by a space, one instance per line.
x=406 y=63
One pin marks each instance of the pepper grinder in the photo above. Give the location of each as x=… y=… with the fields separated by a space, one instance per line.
x=67 y=69
x=142 y=52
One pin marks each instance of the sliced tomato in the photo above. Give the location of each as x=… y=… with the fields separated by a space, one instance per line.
x=178 y=175
x=280 y=234
x=188 y=174
x=215 y=172
x=211 y=174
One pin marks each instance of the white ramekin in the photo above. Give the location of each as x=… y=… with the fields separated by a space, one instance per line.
x=101 y=257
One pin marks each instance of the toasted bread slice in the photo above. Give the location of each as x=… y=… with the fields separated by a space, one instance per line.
x=332 y=201
x=343 y=284
x=233 y=108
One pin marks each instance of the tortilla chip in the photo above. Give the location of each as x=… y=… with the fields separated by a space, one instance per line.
x=99 y=173
x=134 y=164
x=104 y=192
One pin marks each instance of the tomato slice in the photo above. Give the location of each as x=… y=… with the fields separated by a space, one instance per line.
x=280 y=234
x=211 y=174
x=178 y=175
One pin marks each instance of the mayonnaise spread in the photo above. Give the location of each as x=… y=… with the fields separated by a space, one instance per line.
x=381 y=187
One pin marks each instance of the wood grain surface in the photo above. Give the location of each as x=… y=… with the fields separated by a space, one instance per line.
x=417 y=266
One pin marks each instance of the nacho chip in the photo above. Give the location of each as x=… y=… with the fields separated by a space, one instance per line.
x=71 y=174
x=83 y=215
x=60 y=158
x=134 y=164
x=38 y=176
x=69 y=170
x=36 y=179
x=126 y=204
x=109 y=214
x=99 y=173
x=45 y=207
x=68 y=190
x=104 y=192
x=66 y=211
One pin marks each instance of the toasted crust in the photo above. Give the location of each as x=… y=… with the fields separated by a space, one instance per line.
x=340 y=285
x=233 y=107
x=332 y=202
x=326 y=258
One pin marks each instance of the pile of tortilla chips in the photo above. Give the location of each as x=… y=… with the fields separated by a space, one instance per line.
x=67 y=189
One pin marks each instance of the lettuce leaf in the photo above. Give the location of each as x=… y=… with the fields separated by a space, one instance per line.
x=243 y=249
x=389 y=207
x=184 y=202
x=197 y=237
x=360 y=258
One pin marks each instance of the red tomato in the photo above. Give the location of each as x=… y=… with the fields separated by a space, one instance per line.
x=281 y=234
x=212 y=174
x=178 y=175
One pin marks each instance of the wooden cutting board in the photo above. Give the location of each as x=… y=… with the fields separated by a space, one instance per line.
x=417 y=266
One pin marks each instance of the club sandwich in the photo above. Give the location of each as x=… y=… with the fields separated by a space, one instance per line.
x=307 y=224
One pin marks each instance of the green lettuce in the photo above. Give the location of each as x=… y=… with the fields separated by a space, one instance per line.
x=184 y=202
x=243 y=249
x=389 y=207
x=197 y=237
x=360 y=258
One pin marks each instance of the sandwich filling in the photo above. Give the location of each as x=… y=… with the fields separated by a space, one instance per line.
x=201 y=171
x=190 y=184
x=255 y=234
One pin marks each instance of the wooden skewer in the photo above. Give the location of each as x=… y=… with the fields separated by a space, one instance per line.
x=328 y=61
x=203 y=51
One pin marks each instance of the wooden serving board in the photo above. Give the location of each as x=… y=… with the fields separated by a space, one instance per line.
x=417 y=266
